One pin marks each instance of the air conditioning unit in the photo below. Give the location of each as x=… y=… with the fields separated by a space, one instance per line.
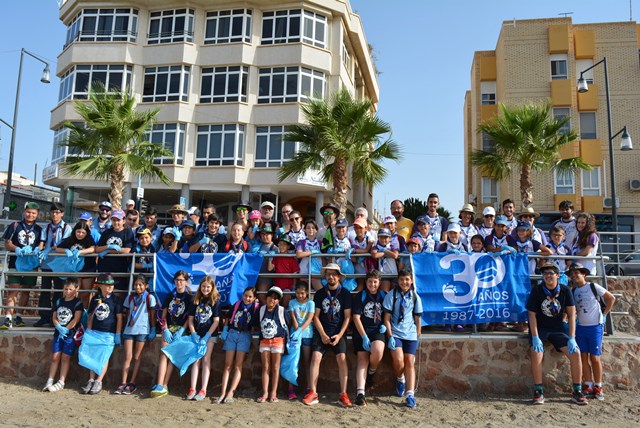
x=634 y=184
x=606 y=203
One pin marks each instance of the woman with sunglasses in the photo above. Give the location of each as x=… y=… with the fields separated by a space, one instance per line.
x=241 y=216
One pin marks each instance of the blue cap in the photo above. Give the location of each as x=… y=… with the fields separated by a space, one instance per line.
x=86 y=216
x=422 y=219
x=523 y=225
x=342 y=222
x=188 y=223
x=384 y=232
x=502 y=219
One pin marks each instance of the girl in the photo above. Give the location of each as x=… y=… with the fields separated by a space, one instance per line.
x=204 y=316
x=414 y=246
x=236 y=244
x=587 y=241
x=236 y=335
x=81 y=242
x=468 y=230
x=296 y=232
x=301 y=311
x=498 y=240
x=477 y=244
x=272 y=321
x=265 y=247
x=169 y=243
x=253 y=232
x=361 y=244
x=453 y=243
x=173 y=323
x=241 y=211
x=308 y=246
x=387 y=255
x=67 y=313
x=144 y=263
x=557 y=246
x=285 y=265
x=369 y=340
x=140 y=327
x=424 y=235
x=188 y=239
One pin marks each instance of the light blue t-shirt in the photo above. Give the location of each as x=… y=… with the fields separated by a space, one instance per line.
x=300 y=311
x=141 y=315
x=402 y=313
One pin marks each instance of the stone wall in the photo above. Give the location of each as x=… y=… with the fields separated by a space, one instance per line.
x=629 y=302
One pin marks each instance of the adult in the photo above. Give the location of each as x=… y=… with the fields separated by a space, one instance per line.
x=130 y=205
x=267 y=209
x=296 y=232
x=52 y=235
x=567 y=221
x=151 y=223
x=177 y=214
x=404 y=226
x=285 y=211
x=133 y=219
x=208 y=210
x=438 y=225
x=20 y=237
x=546 y=306
x=530 y=215
x=508 y=210
x=193 y=214
x=117 y=240
x=332 y=317
x=587 y=240
x=241 y=216
x=467 y=229
x=329 y=216
x=488 y=218
x=103 y=222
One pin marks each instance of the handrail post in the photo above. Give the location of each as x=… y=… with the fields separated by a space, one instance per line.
x=3 y=284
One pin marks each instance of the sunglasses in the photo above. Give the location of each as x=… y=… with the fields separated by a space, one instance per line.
x=105 y=209
x=295 y=218
x=328 y=213
x=286 y=212
x=241 y=209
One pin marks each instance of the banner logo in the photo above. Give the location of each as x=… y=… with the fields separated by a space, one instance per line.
x=478 y=272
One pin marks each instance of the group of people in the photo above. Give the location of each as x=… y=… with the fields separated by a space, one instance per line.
x=385 y=282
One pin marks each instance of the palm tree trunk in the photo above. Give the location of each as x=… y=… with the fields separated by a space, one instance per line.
x=340 y=182
x=526 y=187
x=117 y=186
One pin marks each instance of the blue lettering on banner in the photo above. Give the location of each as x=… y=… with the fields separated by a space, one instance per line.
x=472 y=288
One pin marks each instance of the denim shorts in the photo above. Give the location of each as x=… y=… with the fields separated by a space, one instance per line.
x=135 y=337
x=67 y=346
x=589 y=339
x=237 y=341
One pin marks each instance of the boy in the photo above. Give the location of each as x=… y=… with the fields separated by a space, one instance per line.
x=402 y=312
x=387 y=256
x=437 y=224
x=590 y=326
x=428 y=244
x=144 y=246
x=453 y=243
x=188 y=238
x=499 y=239
x=211 y=239
x=116 y=240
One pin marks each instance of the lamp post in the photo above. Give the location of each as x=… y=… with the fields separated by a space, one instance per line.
x=626 y=144
x=14 y=126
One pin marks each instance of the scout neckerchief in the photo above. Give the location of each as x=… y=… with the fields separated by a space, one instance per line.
x=524 y=246
x=405 y=303
x=435 y=226
x=54 y=234
x=553 y=295
x=377 y=305
x=141 y=250
x=137 y=304
x=244 y=316
x=557 y=248
x=454 y=247
x=333 y=300
x=297 y=236
x=468 y=231
x=29 y=230
x=236 y=248
x=498 y=242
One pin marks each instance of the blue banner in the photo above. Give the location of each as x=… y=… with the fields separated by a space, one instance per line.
x=472 y=288
x=232 y=272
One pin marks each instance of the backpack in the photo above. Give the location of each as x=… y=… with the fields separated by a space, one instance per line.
x=283 y=320
x=157 y=307
x=598 y=297
x=414 y=295
x=227 y=246
x=237 y=306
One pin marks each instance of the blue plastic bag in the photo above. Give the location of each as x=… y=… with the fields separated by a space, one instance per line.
x=95 y=350
x=347 y=268
x=66 y=264
x=315 y=265
x=182 y=352
x=289 y=362
x=563 y=279
x=27 y=263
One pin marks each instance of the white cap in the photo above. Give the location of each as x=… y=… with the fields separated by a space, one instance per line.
x=454 y=227
x=130 y=202
x=267 y=204
x=192 y=210
x=389 y=219
x=489 y=211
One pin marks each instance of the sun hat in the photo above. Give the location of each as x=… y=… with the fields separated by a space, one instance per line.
x=467 y=208
x=177 y=208
x=331 y=266
x=528 y=211
x=335 y=209
x=577 y=266
x=242 y=204
x=549 y=265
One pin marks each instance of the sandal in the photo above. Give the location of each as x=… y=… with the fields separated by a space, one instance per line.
x=219 y=400
x=228 y=400
x=273 y=400
x=261 y=399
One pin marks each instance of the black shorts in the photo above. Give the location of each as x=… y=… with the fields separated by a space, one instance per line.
x=318 y=346
x=357 y=340
x=559 y=339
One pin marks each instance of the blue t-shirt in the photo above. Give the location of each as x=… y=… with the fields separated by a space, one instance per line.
x=271 y=324
x=204 y=315
x=300 y=311
x=243 y=316
x=138 y=312
x=406 y=306
x=103 y=311
x=124 y=239
x=65 y=312
x=332 y=309
x=369 y=307
x=177 y=306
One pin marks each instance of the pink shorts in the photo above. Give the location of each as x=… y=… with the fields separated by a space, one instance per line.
x=275 y=345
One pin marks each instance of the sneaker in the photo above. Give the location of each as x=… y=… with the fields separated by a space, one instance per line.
x=578 y=398
x=310 y=399
x=201 y=395
x=597 y=393
x=292 y=394
x=120 y=389
x=159 y=391
x=399 y=388
x=360 y=400
x=7 y=324
x=538 y=397
x=130 y=389
x=410 y=401
x=96 y=388
x=42 y=323
x=344 y=400
x=586 y=390
x=87 y=387
x=191 y=394
x=18 y=322
x=58 y=386
x=47 y=385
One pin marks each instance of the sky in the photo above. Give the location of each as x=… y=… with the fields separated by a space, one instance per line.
x=424 y=51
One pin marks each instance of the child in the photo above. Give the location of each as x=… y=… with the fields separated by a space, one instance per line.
x=144 y=263
x=306 y=248
x=140 y=327
x=188 y=239
x=204 y=316
x=302 y=310
x=341 y=244
x=557 y=246
x=118 y=239
x=397 y=240
x=369 y=340
x=477 y=244
x=361 y=244
x=265 y=247
x=173 y=323
x=284 y=265
x=272 y=320
x=386 y=254
x=499 y=240
x=67 y=313
x=105 y=314
x=296 y=233
x=237 y=243
x=402 y=311
x=169 y=243
x=211 y=240
x=253 y=232
x=587 y=241
x=424 y=235
x=467 y=228
x=80 y=242
x=453 y=243
x=236 y=335
x=414 y=246
x=525 y=244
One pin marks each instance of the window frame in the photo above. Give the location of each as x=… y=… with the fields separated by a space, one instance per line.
x=178 y=145
x=237 y=130
x=560 y=187
x=68 y=89
x=214 y=74
x=269 y=132
x=184 y=73
x=592 y=135
x=582 y=64
x=590 y=190
x=290 y=76
x=556 y=63
x=176 y=35
x=214 y=18
x=278 y=28
x=489 y=197
x=76 y=29
x=566 y=129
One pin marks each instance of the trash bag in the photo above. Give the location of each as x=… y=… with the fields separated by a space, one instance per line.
x=182 y=352
x=315 y=265
x=347 y=268
x=27 y=263
x=563 y=279
x=289 y=362
x=66 y=264
x=95 y=350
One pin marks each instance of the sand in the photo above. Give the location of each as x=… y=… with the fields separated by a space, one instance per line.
x=23 y=404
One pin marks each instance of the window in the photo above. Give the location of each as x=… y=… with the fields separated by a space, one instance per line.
x=488 y=145
x=103 y=25
x=60 y=151
x=560 y=113
x=559 y=67
x=220 y=145
x=488 y=92
x=346 y=58
x=171 y=137
x=169 y=83
x=489 y=190
x=591 y=182
x=171 y=26
x=224 y=84
x=228 y=26
x=563 y=182
x=271 y=150
x=583 y=64
x=588 y=125
x=76 y=82
x=283 y=26
x=290 y=84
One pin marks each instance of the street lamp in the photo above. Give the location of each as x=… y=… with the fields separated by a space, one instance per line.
x=46 y=74
x=625 y=145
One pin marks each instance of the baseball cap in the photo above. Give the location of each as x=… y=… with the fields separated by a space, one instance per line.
x=267 y=204
x=105 y=278
x=275 y=290
x=360 y=222
x=549 y=265
x=454 y=227
x=414 y=240
x=86 y=216
x=188 y=223
x=169 y=231
x=255 y=214
x=502 y=219
x=130 y=202
x=118 y=213
x=193 y=210
x=342 y=222
x=144 y=231
x=422 y=219
x=489 y=211
x=523 y=225
x=384 y=232
x=105 y=204
x=389 y=219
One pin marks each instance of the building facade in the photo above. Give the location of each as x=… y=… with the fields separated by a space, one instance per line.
x=541 y=59
x=229 y=77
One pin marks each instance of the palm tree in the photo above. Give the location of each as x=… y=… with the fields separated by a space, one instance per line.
x=111 y=141
x=338 y=135
x=526 y=139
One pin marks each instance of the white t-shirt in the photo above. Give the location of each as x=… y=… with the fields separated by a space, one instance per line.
x=587 y=307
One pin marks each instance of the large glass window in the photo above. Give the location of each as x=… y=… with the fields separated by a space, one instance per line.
x=488 y=92
x=224 y=84
x=220 y=145
x=60 y=151
x=591 y=182
x=561 y=113
x=76 y=82
x=290 y=84
x=564 y=182
x=346 y=58
x=169 y=83
x=488 y=144
x=171 y=26
x=284 y=26
x=489 y=190
x=171 y=136
x=559 y=67
x=271 y=150
x=228 y=26
x=103 y=25
x=588 y=125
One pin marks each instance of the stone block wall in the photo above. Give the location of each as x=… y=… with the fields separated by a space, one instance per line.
x=629 y=302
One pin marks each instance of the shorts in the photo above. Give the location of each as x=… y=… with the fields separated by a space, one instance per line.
x=307 y=341
x=275 y=345
x=589 y=338
x=408 y=346
x=22 y=280
x=558 y=339
x=318 y=346
x=135 y=337
x=237 y=341
x=67 y=345
x=357 y=340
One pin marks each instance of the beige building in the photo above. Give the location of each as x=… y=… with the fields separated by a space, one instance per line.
x=541 y=59
x=228 y=76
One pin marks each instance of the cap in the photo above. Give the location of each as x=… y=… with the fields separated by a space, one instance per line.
x=130 y=202
x=389 y=219
x=266 y=228
x=169 y=231
x=467 y=208
x=528 y=211
x=86 y=216
x=335 y=209
x=331 y=266
x=549 y=265
x=384 y=232
x=523 y=225
x=285 y=238
x=105 y=204
x=360 y=222
x=489 y=211
x=194 y=210
x=242 y=204
x=276 y=290
x=188 y=223
x=422 y=219
x=502 y=219
x=268 y=204
x=342 y=222
x=416 y=241
x=117 y=213
x=577 y=266
x=454 y=227
x=144 y=231
x=177 y=208
x=105 y=278
x=255 y=214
